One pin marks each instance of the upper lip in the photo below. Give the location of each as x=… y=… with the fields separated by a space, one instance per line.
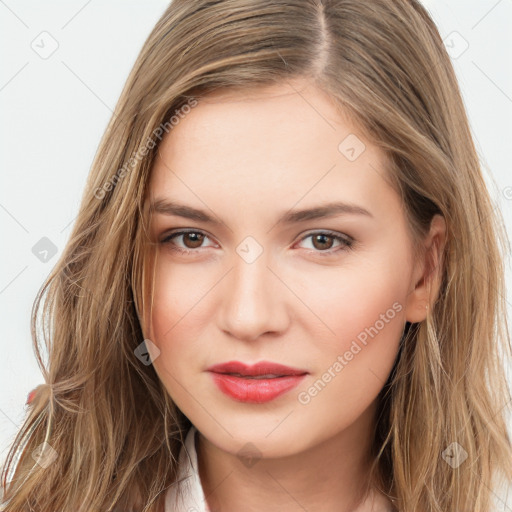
x=260 y=368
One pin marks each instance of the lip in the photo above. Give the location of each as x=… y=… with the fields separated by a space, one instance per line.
x=246 y=388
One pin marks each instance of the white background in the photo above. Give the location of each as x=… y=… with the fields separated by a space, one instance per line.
x=54 y=111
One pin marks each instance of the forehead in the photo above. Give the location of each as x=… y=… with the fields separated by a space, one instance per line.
x=287 y=101
x=285 y=143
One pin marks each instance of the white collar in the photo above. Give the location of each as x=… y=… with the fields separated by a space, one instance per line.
x=187 y=495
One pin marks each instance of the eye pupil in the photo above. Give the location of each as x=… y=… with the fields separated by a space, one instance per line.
x=198 y=239
x=322 y=237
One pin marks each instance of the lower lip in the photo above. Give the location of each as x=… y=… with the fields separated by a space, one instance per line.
x=256 y=391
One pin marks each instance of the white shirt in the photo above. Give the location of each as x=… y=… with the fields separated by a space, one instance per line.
x=190 y=497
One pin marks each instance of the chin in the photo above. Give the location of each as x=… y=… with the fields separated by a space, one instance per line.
x=268 y=436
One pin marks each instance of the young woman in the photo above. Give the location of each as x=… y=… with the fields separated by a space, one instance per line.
x=284 y=289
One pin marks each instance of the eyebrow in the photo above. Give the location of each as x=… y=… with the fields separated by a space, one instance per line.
x=166 y=207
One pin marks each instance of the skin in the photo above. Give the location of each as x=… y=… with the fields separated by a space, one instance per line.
x=246 y=158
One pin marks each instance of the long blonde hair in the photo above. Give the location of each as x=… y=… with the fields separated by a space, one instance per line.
x=112 y=433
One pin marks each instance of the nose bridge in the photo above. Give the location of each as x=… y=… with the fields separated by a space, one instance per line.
x=251 y=300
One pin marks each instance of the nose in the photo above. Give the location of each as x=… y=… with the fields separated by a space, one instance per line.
x=253 y=300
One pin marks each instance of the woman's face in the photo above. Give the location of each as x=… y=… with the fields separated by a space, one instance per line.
x=263 y=283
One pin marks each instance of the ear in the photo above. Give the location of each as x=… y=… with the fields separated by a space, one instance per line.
x=427 y=274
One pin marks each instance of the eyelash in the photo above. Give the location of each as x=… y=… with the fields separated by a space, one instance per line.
x=345 y=240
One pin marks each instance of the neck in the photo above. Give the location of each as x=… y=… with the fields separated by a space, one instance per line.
x=329 y=476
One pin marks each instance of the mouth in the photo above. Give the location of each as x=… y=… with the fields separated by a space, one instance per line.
x=257 y=383
x=265 y=376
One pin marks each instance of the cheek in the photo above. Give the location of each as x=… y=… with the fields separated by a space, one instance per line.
x=364 y=311
x=180 y=354
x=181 y=313
x=370 y=313
x=180 y=292
x=350 y=300
x=172 y=309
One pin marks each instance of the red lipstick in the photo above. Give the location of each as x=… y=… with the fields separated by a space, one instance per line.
x=257 y=383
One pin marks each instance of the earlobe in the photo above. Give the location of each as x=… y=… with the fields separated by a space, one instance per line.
x=416 y=311
x=425 y=287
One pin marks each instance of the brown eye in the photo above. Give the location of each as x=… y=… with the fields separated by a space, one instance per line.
x=322 y=241
x=193 y=240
